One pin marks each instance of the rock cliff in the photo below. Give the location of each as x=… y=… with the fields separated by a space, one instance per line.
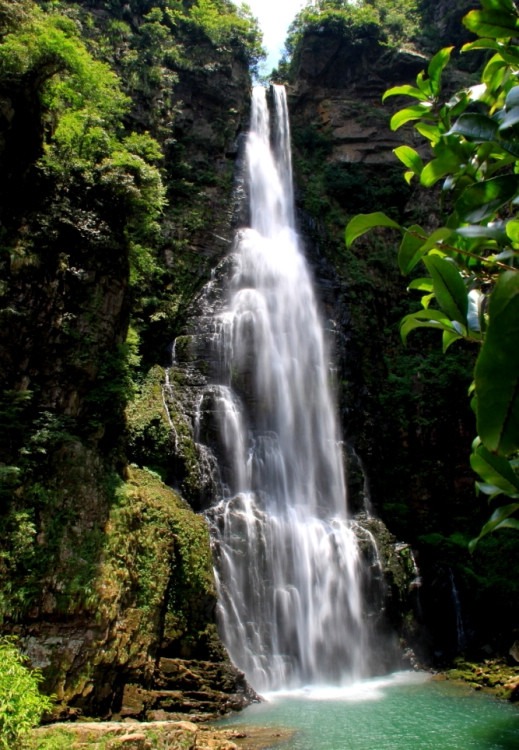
x=406 y=417
x=106 y=573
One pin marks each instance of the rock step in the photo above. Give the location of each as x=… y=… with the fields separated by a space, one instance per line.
x=175 y=735
x=182 y=686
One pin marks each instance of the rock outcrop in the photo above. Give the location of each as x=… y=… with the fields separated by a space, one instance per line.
x=105 y=571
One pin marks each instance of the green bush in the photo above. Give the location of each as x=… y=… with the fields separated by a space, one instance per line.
x=21 y=703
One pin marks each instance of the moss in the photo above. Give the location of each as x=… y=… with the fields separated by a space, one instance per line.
x=157 y=550
x=494 y=675
x=149 y=438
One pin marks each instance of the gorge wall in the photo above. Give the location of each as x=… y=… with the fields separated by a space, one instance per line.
x=406 y=416
x=106 y=576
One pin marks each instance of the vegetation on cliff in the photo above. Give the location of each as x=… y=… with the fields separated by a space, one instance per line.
x=389 y=22
x=111 y=183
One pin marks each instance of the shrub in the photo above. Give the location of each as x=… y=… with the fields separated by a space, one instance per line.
x=21 y=703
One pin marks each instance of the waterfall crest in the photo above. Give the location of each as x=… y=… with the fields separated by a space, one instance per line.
x=286 y=558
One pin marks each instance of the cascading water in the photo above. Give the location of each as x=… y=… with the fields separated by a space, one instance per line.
x=286 y=558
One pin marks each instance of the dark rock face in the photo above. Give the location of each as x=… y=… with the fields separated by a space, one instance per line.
x=406 y=419
x=113 y=572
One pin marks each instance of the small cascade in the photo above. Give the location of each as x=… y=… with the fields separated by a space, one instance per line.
x=461 y=638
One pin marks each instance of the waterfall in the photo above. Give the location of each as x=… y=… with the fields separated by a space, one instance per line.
x=286 y=559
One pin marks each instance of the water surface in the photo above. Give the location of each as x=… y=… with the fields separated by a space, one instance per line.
x=405 y=711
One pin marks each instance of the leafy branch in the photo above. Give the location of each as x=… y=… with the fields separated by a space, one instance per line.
x=471 y=287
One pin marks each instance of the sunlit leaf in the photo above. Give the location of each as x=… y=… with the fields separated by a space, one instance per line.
x=362 y=223
x=480 y=44
x=422 y=285
x=406 y=115
x=410 y=158
x=491 y=23
x=504 y=5
x=497 y=370
x=405 y=90
x=512 y=230
x=438 y=168
x=429 y=131
x=437 y=64
x=448 y=338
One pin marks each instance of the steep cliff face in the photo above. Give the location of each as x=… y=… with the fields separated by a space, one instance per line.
x=106 y=573
x=405 y=412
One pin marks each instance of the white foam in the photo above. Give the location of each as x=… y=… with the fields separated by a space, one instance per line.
x=363 y=690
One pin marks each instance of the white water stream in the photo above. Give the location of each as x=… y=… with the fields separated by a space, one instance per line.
x=287 y=563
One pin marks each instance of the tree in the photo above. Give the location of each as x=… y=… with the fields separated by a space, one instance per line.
x=470 y=286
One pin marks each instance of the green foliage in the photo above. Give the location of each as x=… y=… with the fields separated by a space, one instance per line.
x=12 y=13
x=84 y=107
x=472 y=289
x=224 y=24
x=21 y=704
x=390 y=22
x=156 y=550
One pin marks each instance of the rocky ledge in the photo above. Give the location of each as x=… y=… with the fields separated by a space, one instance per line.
x=158 y=735
x=494 y=675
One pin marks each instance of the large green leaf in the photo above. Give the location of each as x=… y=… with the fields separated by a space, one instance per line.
x=410 y=158
x=475 y=127
x=497 y=370
x=426 y=319
x=512 y=230
x=406 y=115
x=436 y=66
x=481 y=200
x=449 y=288
x=424 y=284
x=480 y=44
x=438 y=168
x=505 y=5
x=362 y=223
x=495 y=471
x=405 y=91
x=491 y=23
